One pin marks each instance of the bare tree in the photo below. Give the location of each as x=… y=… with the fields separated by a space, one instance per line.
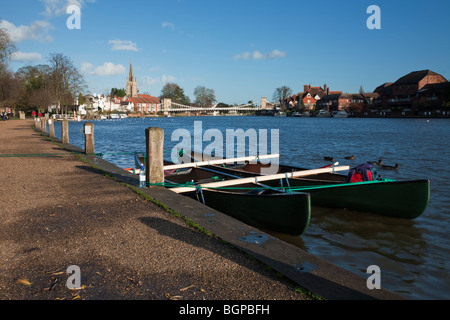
x=33 y=78
x=6 y=46
x=281 y=94
x=9 y=84
x=65 y=81
x=41 y=98
x=204 y=97
x=10 y=87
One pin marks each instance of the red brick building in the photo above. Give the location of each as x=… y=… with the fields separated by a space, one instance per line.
x=145 y=103
x=309 y=97
x=407 y=86
x=413 y=92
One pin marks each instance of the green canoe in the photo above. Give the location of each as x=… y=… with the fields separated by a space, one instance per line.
x=399 y=199
x=254 y=204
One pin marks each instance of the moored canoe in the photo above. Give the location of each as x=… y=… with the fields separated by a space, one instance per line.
x=400 y=199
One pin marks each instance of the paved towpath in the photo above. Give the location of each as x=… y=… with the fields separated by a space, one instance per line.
x=56 y=211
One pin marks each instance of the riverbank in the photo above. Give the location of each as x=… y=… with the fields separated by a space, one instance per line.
x=60 y=209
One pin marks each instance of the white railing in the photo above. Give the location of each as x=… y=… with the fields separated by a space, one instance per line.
x=176 y=107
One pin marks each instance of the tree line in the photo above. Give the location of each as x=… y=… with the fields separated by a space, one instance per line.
x=204 y=97
x=36 y=87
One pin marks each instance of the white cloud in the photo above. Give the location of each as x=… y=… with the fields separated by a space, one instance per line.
x=276 y=54
x=59 y=7
x=107 y=69
x=256 y=55
x=168 y=25
x=87 y=67
x=165 y=79
x=37 y=30
x=148 y=81
x=123 y=45
x=26 y=56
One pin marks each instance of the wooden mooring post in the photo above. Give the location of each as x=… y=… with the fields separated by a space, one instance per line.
x=89 y=145
x=65 y=131
x=44 y=125
x=51 y=128
x=155 y=155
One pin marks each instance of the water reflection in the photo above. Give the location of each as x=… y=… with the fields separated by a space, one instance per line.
x=356 y=240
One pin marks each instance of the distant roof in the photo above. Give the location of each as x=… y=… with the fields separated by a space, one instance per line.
x=313 y=91
x=371 y=95
x=415 y=77
x=144 y=98
x=385 y=88
x=351 y=96
x=331 y=96
x=435 y=87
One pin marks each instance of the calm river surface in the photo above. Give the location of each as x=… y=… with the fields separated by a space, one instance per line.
x=414 y=256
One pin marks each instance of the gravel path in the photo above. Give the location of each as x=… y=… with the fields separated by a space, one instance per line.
x=57 y=211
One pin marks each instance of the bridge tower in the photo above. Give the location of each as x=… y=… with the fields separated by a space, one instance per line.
x=263 y=103
x=167 y=105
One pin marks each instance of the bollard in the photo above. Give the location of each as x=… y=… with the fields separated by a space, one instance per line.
x=44 y=125
x=65 y=131
x=37 y=123
x=89 y=146
x=51 y=128
x=155 y=153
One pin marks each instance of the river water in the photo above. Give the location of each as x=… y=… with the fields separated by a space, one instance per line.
x=413 y=255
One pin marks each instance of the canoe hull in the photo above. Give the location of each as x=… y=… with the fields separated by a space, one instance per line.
x=285 y=213
x=399 y=199
x=252 y=204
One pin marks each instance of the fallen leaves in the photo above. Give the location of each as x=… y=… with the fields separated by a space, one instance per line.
x=24 y=282
x=187 y=288
x=56 y=286
x=178 y=297
x=170 y=297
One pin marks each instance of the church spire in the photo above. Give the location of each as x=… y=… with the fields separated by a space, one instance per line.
x=132 y=90
x=131 y=75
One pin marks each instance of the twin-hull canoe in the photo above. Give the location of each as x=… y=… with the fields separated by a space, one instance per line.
x=254 y=204
x=399 y=199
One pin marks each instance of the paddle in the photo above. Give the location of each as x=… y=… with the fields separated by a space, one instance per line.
x=258 y=179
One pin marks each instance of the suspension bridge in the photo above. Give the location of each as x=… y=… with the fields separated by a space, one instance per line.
x=169 y=106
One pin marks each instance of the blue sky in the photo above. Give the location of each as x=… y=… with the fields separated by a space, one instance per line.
x=243 y=49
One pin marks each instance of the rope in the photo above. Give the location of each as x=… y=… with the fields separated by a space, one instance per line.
x=287 y=189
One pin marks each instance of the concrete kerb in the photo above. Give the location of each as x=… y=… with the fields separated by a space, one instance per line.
x=308 y=271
